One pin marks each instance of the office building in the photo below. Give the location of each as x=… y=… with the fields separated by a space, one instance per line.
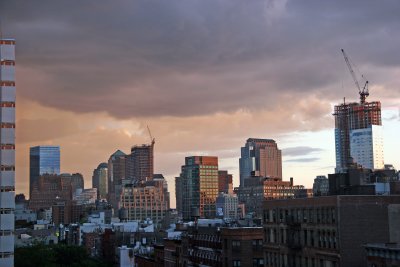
x=261 y=156
x=179 y=195
x=327 y=231
x=52 y=188
x=116 y=173
x=199 y=185
x=366 y=147
x=140 y=163
x=321 y=186
x=76 y=180
x=256 y=189
x=145 y=200
x=85 y=196
x=225 y=184
x=7 y=151
x=100 y=180
x=43 y=160
x=355 y=116
x=227 y=206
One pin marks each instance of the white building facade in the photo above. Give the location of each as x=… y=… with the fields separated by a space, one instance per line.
x=227 y=206
x=7 y=151
x=366 y=147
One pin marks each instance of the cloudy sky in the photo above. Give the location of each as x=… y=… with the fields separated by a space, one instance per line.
x=203 y=74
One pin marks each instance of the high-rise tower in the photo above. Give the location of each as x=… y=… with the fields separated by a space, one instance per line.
x=43 y=160
x=261 y=156
x=7 y=151
x=140 y=163
x=198 y=185
x=100 y=180
x=358 y=128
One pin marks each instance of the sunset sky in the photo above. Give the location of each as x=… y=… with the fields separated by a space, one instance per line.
x=205 y=75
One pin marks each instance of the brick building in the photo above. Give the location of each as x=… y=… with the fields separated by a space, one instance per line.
x=326 y=231
x=242 y=246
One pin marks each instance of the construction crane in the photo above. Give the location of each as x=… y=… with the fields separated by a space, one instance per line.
x=153 y=140
x=364 y=91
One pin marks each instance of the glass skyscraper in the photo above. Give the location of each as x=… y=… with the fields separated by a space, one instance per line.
x=43 y=160
x=198 y=187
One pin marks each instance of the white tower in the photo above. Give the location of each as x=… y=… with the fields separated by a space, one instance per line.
x=366 y=147
x=7 y=151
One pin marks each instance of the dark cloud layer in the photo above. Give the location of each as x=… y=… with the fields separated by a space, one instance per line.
x=302 y=160
x=300 y=151
x=185 y=58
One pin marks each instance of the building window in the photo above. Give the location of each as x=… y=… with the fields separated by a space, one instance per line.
x=236 y=263
x=258 y=262
x=236 y=244
x=257 y=244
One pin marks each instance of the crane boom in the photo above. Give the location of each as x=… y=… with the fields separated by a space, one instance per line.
x=364 y=91
x=153 y=140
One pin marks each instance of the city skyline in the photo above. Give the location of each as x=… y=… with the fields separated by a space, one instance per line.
x=200 y=94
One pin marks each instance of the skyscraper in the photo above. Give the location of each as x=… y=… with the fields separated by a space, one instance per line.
x=7 y=151
x=116 y=173
x=99 y=180
x=353 y=122
x=199 y=185
x=43 y=160
x=261 y=156
x=140 y=163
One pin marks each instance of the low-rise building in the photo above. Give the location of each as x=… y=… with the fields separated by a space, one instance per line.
x=242 y=246
x=383 y=254
x=327 y=231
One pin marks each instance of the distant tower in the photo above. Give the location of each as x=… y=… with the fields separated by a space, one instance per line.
x=116 y=174
x=261 y=156
x=140 y=163
x=100 y=180
x=43 y=160
x=198 y=183
x=353 y=122
x=358 y=130
x=7 y=151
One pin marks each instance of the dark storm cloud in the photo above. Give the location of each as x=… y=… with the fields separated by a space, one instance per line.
x=303 y=160
x=300 y=151
x=181 y=58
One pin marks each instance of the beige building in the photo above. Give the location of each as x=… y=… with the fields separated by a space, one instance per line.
x=145 y=200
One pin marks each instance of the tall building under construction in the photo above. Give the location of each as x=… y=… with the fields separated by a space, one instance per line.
x=358 y=134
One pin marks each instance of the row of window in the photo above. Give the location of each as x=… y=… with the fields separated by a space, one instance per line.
x=313 y=238
x=274 y=259
x=301 y=215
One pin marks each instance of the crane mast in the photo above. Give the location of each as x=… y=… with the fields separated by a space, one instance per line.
x=364 y=91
